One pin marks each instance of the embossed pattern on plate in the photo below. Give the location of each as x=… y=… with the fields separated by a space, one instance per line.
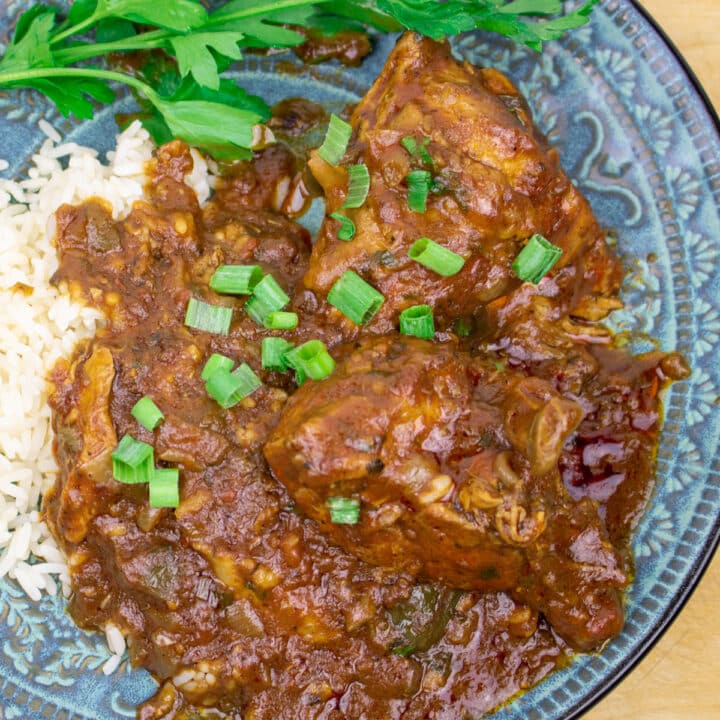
x=642 y=145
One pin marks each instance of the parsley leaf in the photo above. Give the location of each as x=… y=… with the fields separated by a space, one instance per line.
x=80 y=11
x=439 y=19
x=194 y=102
x=434 y=19
x=265 y=30
x=229 y=94
x=180 y=15
x=194 y=56
x=113 y=29
x=362 y=12
x=260 y=33
x=531 y=7
x=28 y=17
x=71 y=94
x=197 y=121
x=31 y=46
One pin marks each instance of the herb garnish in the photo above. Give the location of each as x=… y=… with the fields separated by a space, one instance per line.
x=201 y=107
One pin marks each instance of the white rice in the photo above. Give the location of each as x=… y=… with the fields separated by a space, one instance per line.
x=49 y=130
x=39 y=328
x=112 y=664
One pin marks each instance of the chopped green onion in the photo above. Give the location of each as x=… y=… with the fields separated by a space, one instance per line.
x=223 y=387
x=267 y=297
x=236 y=279
x=355 y=298
x=292 y=362
x=436 y=257
x=300 y=376
x=347 y=226
x=165 y=488
x=133 y=461
x=536 y=259
x=312 y=358
x=228 y=389
x=147 y=413
x=250 y=381
x=358 y=186
x=210 y=318
x=418 y=321
x=419 y=183
x=273 y=351
x=336 y=141
x=418 y=151
x=279 y=320
x=216 y=362
x=344 y=511
x=257 y=310
x=410 y=144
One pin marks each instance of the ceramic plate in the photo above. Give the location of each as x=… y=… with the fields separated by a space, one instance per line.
x=636 y=134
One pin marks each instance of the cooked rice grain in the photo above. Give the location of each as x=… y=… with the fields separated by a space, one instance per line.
x=38 y=325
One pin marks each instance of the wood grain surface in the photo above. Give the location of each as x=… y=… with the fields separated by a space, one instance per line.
x=680 y=678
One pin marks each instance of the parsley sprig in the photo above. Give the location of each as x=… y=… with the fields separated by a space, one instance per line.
x=52 y=54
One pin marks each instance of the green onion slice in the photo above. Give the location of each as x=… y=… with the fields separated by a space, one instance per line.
x=228 y=389
x=355 y=298
x=300 y=375
x=418 y=321
x=210 y=318
x=165 y=488
x=216 y=362
x=358 y=186
x=336 y=141
x=536 y=259
x=147 y=413
x=312 y=358
x=419 y=183
x=436 y=257
x=279 y=320
x=267 y=297
x=343 y=510
x=250 y=381
x=133 y=461
x=347 y=226
x=418 y=151
x=236 y=279
x=224 y=388
x=273 y=353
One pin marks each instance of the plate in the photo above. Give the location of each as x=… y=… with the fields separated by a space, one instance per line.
x=637 y=135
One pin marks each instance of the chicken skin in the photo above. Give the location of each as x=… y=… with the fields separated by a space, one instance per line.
x=495 y=184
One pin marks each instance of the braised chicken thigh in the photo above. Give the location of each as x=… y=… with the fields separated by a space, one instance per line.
x=456 y=464
x=496 y=184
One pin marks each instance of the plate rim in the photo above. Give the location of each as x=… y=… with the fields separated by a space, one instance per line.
x=710 y=549
x=695 y=574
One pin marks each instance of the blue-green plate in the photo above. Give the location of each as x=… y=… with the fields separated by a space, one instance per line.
x=638 y=136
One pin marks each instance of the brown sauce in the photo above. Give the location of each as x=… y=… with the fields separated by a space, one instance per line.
x=347 y=46
x=246 y=599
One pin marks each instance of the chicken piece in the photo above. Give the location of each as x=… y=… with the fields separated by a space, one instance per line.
x=498 y=183
x=455 y=465
x=94 y=439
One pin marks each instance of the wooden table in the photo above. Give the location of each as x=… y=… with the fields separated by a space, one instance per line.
x=680 y=678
